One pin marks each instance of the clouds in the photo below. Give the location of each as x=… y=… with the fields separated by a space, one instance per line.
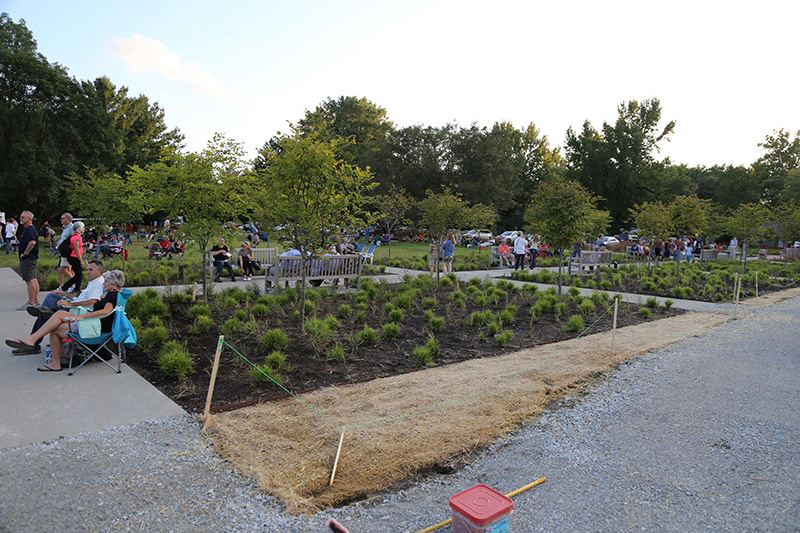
x=143 y=55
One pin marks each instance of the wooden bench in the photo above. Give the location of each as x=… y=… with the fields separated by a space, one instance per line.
x=498 y=258
x=590 y=260
x=333 y=267
x=708 y=255
x=264 y=257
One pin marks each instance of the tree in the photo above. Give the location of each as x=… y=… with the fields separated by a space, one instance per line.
x=107 y=198
x=206 y=188
x=619 y=165
x=782 y=154
x=690 y=215
x=749 y=223
x=307 y=191
x=563 y=212
x=446 y=212
x=53 y=127
x=653 y=219
x=356 y=120
x=786 y=224
x=391 y=209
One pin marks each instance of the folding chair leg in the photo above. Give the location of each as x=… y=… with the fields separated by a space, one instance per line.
x=95 y=353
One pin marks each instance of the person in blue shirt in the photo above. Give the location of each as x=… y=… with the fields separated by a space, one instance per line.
x=448 y=254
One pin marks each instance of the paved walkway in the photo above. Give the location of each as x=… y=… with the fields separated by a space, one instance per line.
x=39 y=406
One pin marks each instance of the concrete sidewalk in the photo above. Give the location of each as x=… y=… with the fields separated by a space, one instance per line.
x=41 y=406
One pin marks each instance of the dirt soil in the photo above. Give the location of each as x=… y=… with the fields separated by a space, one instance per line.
x=309 y=370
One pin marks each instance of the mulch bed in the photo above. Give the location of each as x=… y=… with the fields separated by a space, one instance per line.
x=307 y=369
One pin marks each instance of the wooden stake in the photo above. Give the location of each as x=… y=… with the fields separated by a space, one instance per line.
x=194 y=292
x=213 y=378
x=336 y=462
x=614 y=329
x=756 y=284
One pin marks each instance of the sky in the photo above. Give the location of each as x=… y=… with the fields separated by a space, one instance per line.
x=726 y=72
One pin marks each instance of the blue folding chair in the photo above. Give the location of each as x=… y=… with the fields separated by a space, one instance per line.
x=122 y=336
x=368 y=254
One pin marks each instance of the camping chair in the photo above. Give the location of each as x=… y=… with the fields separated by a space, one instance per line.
x=122 y=335
x=369 y=253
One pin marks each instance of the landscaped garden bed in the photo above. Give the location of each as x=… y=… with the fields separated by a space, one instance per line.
x=378 y=331
x=708 y=282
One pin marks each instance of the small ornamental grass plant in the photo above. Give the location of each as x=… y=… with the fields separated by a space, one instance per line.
x=175 y=361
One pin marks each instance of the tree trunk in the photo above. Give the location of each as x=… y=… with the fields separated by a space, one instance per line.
x=560 y=268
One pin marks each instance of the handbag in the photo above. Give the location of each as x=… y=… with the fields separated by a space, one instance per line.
x=88 y=328
x=65 y=248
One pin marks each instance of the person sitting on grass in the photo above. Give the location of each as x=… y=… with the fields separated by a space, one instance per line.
x=63 y=322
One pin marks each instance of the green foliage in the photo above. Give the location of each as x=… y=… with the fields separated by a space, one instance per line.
x=651 y=302
x=344 y=311
x=645 y=312
x=180 y=298
x=336 y=353
x=575 y=324
x=204 y=323
x=668 y=303
x=493 y=328
x=175 y=361
x=196 y=310
x=269 y=371
x=231 y=327
x=319 y=331
x=274 y=339
x=390 y=330
x=145 y=304
x=586 y=307
x=240 y=314
x=479 y=318
x=503 y=338
x=437 y=323
x=423 y=356
x=561 y=308
x=396 y=315
x=428 y=303
x=367 y=336
x=259 y=310
x=153 y=338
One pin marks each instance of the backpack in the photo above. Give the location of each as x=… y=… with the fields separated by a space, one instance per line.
x=65 y=248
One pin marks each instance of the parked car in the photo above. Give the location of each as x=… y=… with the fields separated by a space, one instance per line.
x=610 y=240
x=483 y=235
x=511 y=234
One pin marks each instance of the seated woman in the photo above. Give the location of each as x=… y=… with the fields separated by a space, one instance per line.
x=245 y=259
x=62 y=322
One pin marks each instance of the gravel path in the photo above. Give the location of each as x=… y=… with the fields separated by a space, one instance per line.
x=701 y=436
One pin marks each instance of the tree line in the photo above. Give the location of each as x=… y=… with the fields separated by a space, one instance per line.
x=92 y=148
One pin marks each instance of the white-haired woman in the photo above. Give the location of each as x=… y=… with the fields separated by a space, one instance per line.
x=75 y=259
x=63 y=322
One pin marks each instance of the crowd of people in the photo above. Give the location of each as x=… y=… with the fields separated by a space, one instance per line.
x=60 y=313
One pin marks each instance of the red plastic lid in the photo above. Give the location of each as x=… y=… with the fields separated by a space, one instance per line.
x=481 y=504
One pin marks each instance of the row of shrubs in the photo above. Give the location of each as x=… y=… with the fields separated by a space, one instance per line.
x=260 y=324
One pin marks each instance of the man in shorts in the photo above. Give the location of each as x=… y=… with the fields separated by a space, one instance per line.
x=64 y=269
x=29 y=258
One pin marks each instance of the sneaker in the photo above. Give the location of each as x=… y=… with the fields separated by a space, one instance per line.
x=39 y=312
x=25 y=306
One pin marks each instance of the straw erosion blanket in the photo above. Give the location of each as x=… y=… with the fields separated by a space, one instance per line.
x=402 y=425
